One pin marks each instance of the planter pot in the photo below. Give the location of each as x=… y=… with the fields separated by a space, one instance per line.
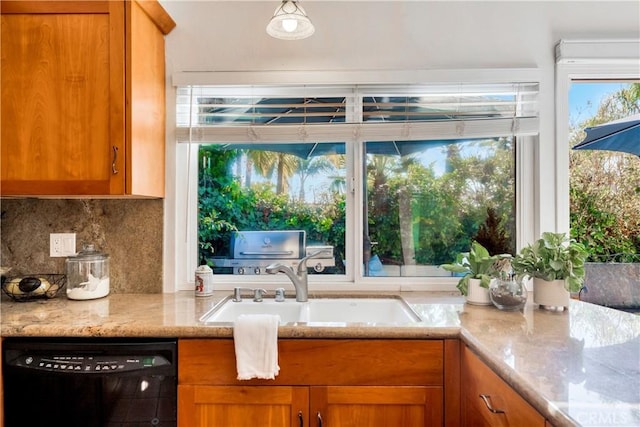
x=476 y=294
x=550 y=295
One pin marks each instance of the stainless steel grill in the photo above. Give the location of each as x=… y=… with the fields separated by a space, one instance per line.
x=253 y=251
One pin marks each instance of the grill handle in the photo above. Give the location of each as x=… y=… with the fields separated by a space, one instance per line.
x=266 y=253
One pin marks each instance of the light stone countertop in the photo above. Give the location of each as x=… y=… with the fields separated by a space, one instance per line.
x=576 y=368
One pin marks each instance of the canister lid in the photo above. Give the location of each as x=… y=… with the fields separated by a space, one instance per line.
x=89 y=253
x=204 y=269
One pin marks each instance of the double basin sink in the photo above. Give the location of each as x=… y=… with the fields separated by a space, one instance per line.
x=379 y=310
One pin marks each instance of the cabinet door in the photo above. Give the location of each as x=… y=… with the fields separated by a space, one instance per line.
x=370 y=406
x=145 y=105
x=482 y=389
x=62 y=89
x=242 y=406
x=1 y=397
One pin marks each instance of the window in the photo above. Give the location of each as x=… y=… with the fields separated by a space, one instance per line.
x=384 y=181
x=585 y=60
x=604 y=202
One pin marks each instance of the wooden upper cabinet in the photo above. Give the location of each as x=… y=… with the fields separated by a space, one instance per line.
x=83 y=98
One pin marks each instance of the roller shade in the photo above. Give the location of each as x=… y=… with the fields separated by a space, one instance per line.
x=214 y=114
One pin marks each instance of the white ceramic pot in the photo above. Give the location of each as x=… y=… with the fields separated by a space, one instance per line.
x=550 y=295
x=476 y=294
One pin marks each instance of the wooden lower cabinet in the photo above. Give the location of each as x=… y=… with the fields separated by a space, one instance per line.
x=284 y=406
x=337 y=383
x=1 y=389
x=482 y=390
x=242 y=406
x=376 y=406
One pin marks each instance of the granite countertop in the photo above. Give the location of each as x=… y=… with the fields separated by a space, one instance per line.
x=576 y=368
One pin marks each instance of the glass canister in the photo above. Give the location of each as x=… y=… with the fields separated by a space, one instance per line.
x=87 y=274
x=508 y=293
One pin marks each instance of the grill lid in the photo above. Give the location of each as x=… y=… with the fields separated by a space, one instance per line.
x=280 y=244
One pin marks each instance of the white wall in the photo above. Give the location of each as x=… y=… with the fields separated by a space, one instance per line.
x=363 y=35
x=391 y=35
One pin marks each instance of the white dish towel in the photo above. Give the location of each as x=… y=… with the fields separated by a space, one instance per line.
x=256 y=343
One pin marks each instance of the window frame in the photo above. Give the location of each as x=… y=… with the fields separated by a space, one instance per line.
x=181 y=231
x=584 y=60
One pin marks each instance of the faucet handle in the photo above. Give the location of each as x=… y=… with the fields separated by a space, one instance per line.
x=258 y=293
x=237 y=293
x=280 y=295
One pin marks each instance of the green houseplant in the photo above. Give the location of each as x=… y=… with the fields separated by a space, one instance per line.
x=553 y=257
x=475 y=264
x=556 y=264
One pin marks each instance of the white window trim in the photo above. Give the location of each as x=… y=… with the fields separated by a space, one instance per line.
x=180 y=218
x=525 y=126
x=584 y=60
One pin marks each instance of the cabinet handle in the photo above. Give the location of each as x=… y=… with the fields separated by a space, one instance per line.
x=486 y=398
x=319 y=419
x=300 y=419
x=115 y=157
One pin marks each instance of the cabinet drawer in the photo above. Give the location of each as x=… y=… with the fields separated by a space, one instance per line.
x=242 y=406
x=320 y=362
x=479 y=380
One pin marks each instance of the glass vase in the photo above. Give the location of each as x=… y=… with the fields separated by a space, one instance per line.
x=508 y=293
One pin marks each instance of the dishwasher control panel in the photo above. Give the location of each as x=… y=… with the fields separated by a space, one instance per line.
x=88 y=363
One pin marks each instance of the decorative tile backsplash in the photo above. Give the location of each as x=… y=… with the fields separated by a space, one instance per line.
x=130 y=231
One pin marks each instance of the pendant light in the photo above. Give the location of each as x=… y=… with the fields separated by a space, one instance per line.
x=290 y=22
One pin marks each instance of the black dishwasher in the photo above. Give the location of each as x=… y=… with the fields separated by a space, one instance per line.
x=89 y=382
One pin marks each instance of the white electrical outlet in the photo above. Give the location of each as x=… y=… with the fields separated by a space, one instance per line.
x=62 y=244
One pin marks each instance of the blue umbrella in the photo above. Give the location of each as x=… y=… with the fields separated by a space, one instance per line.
x=619 y=135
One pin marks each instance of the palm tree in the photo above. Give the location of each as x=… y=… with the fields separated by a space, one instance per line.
x=311 y=167
x=286 y=167
x=268 y=162
x=338 y=184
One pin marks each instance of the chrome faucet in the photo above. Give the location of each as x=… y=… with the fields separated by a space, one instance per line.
x=299 y=280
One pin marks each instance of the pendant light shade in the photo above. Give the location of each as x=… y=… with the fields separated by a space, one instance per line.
x=290 y=22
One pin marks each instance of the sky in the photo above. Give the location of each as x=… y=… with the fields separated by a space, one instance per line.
x=585 y=97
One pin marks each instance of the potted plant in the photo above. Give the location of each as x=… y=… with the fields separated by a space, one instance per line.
x=556 y=265
x=476 y=266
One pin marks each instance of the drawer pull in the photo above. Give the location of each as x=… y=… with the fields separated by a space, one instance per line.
x=486 y=398
x=114 y=170
x=319 y=419
x=300 y=419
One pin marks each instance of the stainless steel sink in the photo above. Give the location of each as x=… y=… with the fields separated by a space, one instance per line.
x=387 y=310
